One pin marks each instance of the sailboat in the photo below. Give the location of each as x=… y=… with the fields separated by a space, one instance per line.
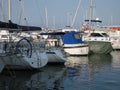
x=22 y=53
x=73 y=43
x=71 y=39
x=53 y=47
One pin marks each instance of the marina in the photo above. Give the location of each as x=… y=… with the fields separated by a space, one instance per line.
x=61 y=48
x=93 y=72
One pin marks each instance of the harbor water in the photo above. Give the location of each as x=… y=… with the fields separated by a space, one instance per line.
x=94 y=72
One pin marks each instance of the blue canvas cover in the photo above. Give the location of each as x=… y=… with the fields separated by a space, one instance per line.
x=71 y=38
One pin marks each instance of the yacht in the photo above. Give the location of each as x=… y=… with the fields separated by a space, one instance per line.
x=98 y=41
x=73 y=43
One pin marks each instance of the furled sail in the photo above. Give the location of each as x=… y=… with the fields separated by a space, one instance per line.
x=10 y=25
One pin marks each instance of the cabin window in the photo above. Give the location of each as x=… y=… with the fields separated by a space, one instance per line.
x=4 y=36
x=96 y=35
x=105 y=34
x=77 y=36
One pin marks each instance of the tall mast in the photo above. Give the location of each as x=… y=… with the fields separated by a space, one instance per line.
x=91 y=12
x=2 y=11
x=46 y=15
x=54 y=22
x=9 y=12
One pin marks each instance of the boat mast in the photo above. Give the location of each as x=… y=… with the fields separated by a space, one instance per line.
x=46 y=15
x=2 y=11
x=9 y=12
x=91 y=12
x=9 y=18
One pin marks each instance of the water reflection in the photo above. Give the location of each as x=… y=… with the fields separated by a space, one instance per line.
x=82 y=71
x=48 y=78
x=9 y=81
x=99 y=61
x=100 y=58
x=78 y=73
x=94 y=60
x=116 y=59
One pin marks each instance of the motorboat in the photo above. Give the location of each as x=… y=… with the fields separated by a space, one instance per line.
x=98 y=41
x=73 y=43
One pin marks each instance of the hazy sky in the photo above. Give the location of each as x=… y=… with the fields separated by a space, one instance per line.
x=60 y=12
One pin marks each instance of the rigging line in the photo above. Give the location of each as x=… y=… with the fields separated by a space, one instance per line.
x=46 y=15
x=38 y=8
x=20 y=17
x=74 y=18
x=1 y=6
x=23 y=11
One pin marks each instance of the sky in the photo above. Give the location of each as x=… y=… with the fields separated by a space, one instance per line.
x=60 y=13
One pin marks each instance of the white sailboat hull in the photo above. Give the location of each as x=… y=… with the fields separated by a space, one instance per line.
x=24 y=62
x=24 y=55
x=55 y=56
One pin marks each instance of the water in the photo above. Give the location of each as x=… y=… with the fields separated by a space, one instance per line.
x=96 y=72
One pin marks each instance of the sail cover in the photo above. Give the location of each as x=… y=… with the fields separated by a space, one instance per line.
x=71 y=38
x=10 y=25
